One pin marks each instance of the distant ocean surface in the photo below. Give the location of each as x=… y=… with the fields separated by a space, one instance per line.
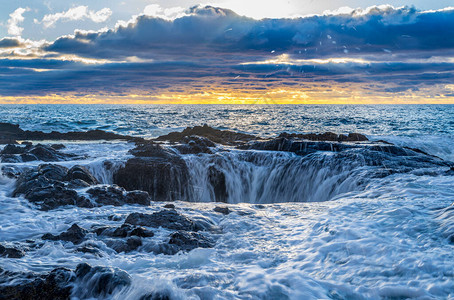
x=429 y=127
x=367 y=222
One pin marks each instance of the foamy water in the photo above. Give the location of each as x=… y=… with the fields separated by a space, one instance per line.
x=319 y=227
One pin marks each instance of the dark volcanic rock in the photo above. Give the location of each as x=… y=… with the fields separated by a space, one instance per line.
x=165 y=179
x=218 y=182
x=52 y=197
x=128 y=245
x=222 y=209
x=165 y=218
x=170 y=205
x=11 y=252
x=13 y=153
x=188 y=241
x=74 y=234
x=81 y=173
x=114 y=195
x=194 y=145
x=125 y=230
x=55 y=285
x=224 y=137
x=155 y=296
x=86 y=282
x=12 y=132
x=99 y=282
x=327 y=136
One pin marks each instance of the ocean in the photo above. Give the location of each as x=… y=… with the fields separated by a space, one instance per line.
x=354 y=224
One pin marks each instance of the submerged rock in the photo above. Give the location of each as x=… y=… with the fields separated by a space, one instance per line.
x=222 y=209
x=187 y=241
x=98 y=282
x=165 y=218
x=11 y=252
x=74 y=234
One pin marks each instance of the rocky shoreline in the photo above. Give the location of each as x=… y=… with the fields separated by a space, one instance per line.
x=157 y=172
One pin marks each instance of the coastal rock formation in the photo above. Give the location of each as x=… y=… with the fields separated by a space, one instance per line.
x=74 y=234
x=14 y=154
x=10 y=133
x=169 y=219
x=11 y=252
x=224 y=137
x=51 y=186
x=61 y=283
x=156 y=170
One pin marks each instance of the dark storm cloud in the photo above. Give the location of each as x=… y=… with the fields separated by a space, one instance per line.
x=10 y=43
x=219 y=31
x=402 y=49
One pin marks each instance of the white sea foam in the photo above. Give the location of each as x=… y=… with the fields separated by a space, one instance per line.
x=387 y=239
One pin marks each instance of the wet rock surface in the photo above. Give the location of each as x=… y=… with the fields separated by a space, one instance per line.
x=169 y=219
x=85 y=282
x=15 y=154
x=10 y=133
x=11 y=252
x=51 y=186
x=74 y=234
x=158 y=171
x=114 y=195
x=225 y=137
x=187 y=240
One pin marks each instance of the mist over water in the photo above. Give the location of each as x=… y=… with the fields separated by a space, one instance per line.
x=357 y=224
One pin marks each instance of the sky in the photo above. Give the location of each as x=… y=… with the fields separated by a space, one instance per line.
x=227 y=51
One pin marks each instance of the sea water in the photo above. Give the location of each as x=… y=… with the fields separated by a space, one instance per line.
x=300 y=228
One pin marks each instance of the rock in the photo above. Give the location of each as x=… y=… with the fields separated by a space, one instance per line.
x=170 y=206
x=327 y=136
x=81 y=173
x=58 y=146
x=138 y=197
x=12 y=133
x=117 y=196
x=85 y=282
x=74 y=234
x=11 y=252
x=155 y=296
x=13 y=153
x=222 y=209
x=187 y=241
x=217 y=180
x=98 y=282
x=165 y=179
x=55 y=285
x=88 y=249
x=13 y=149
x=194 y=145
x=165 y=218
x=224 y=137
x=52 y=197
x=131 y=244
x=125 y=230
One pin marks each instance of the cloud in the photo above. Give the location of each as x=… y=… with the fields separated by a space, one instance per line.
x=15 y=19
x=10 y=43
x=76 y=13
x=377 y=53
x=209 y=30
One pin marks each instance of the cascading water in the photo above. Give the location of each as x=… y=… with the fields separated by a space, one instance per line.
x=272 y=177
